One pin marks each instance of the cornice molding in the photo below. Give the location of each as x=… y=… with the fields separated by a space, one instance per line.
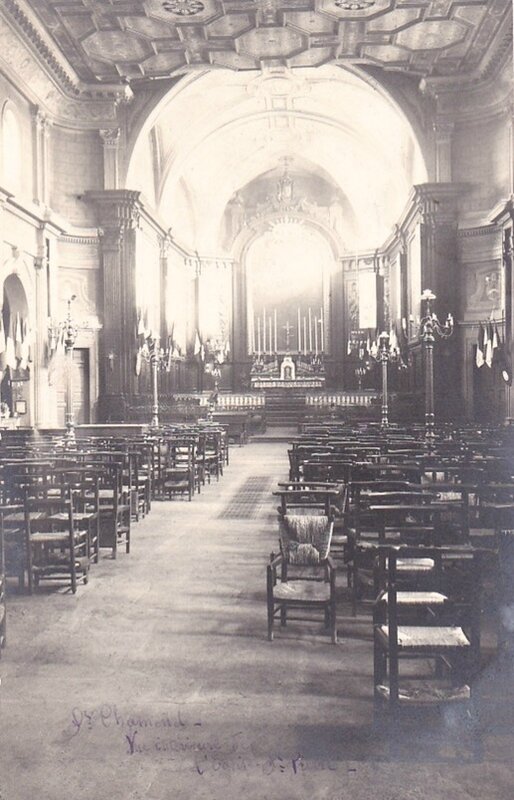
x=34 y=33
x=483 y=230
x=33 y=63
x=70 y=238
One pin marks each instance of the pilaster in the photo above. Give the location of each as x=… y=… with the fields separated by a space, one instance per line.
x=111 y=140
x=118 y=214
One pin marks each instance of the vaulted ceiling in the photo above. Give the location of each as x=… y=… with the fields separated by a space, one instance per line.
x=106 y=40
x=218 y=132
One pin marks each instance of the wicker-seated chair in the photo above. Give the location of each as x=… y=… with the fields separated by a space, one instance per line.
x=303 y=576
x=440 y=632
x=56 y=547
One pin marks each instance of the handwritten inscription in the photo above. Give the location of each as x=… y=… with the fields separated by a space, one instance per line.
x=182 y=737
x=108 y=716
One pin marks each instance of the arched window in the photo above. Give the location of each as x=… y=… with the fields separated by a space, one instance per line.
x=11 y=150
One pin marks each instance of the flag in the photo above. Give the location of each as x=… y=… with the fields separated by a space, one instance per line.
x=2 y=335
x=171 y=350
x=199 y=349
x=140 y=325
x=138 y=362
x=18 y=338
x=488 y=341
x=480 y=360
x=10 y=354
x=24 y=348
x=495 y=340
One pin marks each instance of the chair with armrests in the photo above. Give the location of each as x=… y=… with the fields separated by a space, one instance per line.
x=302 y=578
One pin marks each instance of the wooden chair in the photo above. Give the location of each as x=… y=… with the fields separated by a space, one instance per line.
x=436 y=630
x=84 y=484
x=303 y=577
x=179 y=471
x=55 y=546
x=114 y=508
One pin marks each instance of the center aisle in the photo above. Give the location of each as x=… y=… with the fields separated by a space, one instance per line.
x=157 y=681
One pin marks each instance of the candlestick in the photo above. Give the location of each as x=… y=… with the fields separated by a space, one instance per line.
x=264 y=331
x=275 y=316
x=259 y=336
x=299 y=333
x=310 y=330
x=305 y=336
x=322 y=330
x=270 y=333
x=316 y=320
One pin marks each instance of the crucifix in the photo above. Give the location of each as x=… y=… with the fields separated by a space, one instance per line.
x=288 y=329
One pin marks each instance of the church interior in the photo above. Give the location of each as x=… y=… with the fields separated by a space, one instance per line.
x=256 y=421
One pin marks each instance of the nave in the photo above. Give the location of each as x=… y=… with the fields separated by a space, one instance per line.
x=156 y=680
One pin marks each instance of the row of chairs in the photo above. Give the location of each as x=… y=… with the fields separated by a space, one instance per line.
x=61 y=506
x=418 y=530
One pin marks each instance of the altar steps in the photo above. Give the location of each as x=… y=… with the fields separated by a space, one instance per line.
x=284 y=407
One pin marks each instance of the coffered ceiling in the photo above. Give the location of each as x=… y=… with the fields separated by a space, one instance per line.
x=108 y=40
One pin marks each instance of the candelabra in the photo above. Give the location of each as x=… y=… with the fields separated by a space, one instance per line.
x=359 y=374
x=384 y=355
x=430 y=327
x=157 y=357
x=66 y=332
x=216 y=351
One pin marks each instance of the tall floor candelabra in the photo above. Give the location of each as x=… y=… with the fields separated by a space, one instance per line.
x=157 y=357
x=65 y=334
x=430 y=327
x=385 y=354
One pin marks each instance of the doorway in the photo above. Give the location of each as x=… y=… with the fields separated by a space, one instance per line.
x=81 y=389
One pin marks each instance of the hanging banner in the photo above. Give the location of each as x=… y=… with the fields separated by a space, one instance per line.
x=367 y=300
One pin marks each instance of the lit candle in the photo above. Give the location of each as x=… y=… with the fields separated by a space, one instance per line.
x=299 y=333
x=305 y=336
x=322 y=330
x=310 y=331
x=276 y=348
x=258 y=336
x=270 y=333
x=264 y=331
x=316 y=320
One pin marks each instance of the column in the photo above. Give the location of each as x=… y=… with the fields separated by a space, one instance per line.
x=111 y=140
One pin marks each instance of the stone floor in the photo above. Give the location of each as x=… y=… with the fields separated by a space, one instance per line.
x=156 y=680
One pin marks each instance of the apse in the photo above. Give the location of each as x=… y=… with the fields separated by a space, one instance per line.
x=287 y=265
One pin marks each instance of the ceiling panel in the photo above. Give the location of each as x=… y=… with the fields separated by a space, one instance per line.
x=110 y=39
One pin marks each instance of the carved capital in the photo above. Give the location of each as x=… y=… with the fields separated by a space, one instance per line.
x=110 y=137
x=111 y=238
x=165 y=243
x=116 y=209
x=443 y=129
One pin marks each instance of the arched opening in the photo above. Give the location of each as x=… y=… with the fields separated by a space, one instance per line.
x=16 y=355
x=288 y=268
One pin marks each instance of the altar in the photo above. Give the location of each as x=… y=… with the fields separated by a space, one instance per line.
x=287 y=371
